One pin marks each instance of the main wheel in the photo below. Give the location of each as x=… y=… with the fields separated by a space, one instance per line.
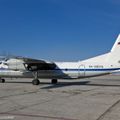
x=36 y=82
x=54 y=81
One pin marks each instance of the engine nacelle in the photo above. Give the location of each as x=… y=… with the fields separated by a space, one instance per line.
x=15 y=64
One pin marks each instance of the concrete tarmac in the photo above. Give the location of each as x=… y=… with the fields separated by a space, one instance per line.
x=84 y=99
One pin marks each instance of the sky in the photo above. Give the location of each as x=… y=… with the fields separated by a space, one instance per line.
x=58 y=30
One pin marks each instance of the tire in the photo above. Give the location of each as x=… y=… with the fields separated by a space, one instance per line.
x=54 y=81
x=36 y=82
x=2 y=80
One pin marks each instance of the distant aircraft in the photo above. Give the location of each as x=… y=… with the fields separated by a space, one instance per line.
x=22 y=67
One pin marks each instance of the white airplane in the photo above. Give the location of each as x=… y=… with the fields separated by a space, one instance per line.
x=21 y=67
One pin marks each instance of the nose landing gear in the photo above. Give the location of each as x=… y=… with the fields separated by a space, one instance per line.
x=2 y=80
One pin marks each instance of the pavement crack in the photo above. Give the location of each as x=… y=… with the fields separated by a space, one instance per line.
x=108 y=110
x=25 y=107
x=18 y=94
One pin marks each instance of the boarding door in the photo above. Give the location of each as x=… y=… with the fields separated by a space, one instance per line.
x=81 y=71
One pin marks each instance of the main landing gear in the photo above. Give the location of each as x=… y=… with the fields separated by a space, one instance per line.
x=37 y=82
x=2 y=80
x=54 y=81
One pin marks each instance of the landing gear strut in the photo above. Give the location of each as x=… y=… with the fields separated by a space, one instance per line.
x=2 y=80
x=54 y=81
x=35 y=81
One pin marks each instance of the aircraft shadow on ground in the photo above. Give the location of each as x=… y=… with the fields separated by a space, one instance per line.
x=81 y=83
x=65 y=84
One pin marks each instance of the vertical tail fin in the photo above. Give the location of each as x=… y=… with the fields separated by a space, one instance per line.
x=115 y=51
x=116 y=46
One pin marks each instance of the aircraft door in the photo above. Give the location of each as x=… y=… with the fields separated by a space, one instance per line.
x=81 y=71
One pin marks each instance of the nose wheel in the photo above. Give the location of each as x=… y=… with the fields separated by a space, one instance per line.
x=2 y=80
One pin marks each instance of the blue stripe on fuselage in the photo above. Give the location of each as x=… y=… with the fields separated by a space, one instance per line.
x=103 y=69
